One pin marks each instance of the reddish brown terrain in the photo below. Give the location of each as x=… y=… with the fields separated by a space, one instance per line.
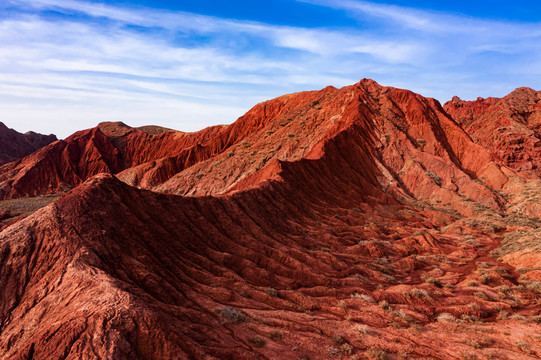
x=510 y=128
x=14 y=145
x=365 y=222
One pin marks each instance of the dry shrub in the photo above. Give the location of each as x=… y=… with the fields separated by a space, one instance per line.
x=362 y=329
x=446 y=317
x=231 y=315
x=377 y=354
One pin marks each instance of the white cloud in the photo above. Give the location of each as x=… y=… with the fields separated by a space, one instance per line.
x=432 y=21
x=100 y=62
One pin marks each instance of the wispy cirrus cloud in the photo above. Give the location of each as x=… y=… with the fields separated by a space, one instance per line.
x=432 y=22
x=464 y=32
x=69 y=64
x=472 y=56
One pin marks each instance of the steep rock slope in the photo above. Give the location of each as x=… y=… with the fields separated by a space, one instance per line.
x=60 y=165
x=510 y=127
x=110 y=147
x=154 y=173
x=14 y=145
x=419 y=150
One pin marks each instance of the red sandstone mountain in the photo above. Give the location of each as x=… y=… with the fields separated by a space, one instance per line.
x=14 y=145
x=360 y=222
x=110 y=147
x=510 y=127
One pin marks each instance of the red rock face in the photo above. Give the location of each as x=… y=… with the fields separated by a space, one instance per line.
x=14 y=145
x=510 y=127
x=60 y=165
x=110 y=147
x=360 y=222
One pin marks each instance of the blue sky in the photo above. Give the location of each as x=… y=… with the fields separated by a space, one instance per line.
x=67 y=65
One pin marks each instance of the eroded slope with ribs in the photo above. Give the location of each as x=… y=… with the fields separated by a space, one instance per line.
x=304 y=266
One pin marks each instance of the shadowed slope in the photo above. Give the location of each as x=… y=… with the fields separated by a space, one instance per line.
x=14 y=145
x=157 y=298
x=277 y=271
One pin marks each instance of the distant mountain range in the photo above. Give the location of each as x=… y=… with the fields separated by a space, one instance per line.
x=14 y=145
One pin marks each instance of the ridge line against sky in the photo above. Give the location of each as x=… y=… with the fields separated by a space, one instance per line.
x=66 y=65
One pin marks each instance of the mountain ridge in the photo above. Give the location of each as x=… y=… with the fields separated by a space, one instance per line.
x=14 y=145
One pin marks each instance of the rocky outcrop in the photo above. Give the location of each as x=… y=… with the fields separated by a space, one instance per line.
x=60 y=165
x=510 y=127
